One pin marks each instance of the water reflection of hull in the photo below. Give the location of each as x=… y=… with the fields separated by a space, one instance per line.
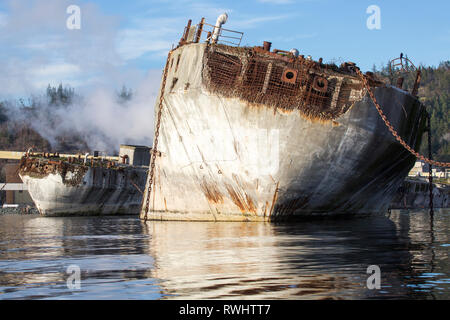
x=267 y=261
x=124 y=258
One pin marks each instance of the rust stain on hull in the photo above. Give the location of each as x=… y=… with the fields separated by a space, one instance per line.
x=275 y=194
x=211 y=192
x=243 y=202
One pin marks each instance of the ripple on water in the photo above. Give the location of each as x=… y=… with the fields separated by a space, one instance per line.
x=123 y=258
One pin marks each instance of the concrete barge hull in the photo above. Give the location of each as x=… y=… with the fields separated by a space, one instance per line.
x=226 y=159
x=101 y=191
x=415 y=194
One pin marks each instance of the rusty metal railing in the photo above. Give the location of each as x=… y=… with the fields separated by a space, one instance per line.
x=204 y=31
x=232 y=37
x=398 y=67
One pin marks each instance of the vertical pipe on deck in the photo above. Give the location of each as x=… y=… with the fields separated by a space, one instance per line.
x=416 y=83
x=199 y=30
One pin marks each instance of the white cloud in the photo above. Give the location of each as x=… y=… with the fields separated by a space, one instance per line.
x=60 y=69
x=252 y=22
x=38 y=49
x=3 y=19
x=277 y=1
x=152 y=35
x=55 y=73
x=294 y=37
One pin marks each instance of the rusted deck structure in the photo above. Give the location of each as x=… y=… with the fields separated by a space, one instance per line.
x=250 y=134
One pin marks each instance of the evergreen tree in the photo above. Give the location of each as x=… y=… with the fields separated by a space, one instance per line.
x=125 y=94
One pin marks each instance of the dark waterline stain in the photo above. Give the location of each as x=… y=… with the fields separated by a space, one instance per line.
x=125 y=258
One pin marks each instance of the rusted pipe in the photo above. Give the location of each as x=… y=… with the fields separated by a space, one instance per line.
x=294 y=52
x=221 y=20
x=199 y=30
x=400 y=82
x=415 y=89
x=29 y=151
x=124 y=157
x=281 y=51
x=185 y=33
x=267 y=45
x=188 y=27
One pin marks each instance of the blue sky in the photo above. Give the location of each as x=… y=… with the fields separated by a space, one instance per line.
x=123 y=42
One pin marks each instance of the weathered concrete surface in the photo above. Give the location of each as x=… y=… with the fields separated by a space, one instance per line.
x=134 y=155
x=100 y=191
x=224 y=159
x=415 y=194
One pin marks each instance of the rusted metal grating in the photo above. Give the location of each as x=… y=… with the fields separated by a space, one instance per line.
x=285 y=83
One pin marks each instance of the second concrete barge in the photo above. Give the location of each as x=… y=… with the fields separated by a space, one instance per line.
x=250 y=134
x=86 y=185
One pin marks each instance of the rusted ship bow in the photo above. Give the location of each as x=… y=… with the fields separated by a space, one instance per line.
x=250 y=134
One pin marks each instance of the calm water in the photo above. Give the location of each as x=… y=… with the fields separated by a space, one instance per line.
x=124 y=258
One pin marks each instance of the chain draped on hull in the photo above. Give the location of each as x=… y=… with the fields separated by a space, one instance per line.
x=155 y=143
x=392 y=130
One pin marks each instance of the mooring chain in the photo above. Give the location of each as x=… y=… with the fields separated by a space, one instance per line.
x=155 y=144
x=430 y=168
x=392 y=130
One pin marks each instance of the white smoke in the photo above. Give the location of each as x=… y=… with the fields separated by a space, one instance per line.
x=100 y=118
x=104 y=123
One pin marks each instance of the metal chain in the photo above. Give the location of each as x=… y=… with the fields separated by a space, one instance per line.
x=392 y=130
x=155 y=144
x=430 y=169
